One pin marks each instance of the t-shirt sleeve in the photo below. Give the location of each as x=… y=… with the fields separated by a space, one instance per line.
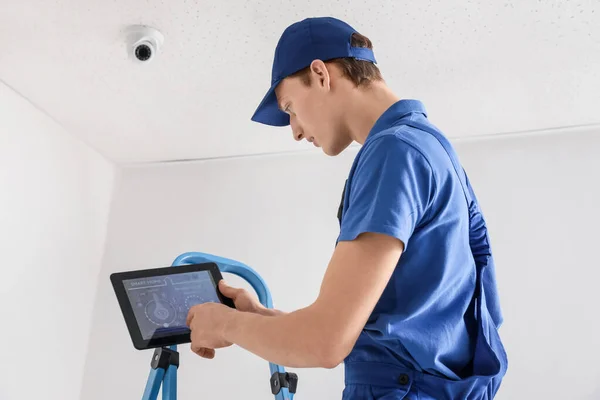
x=390 y=190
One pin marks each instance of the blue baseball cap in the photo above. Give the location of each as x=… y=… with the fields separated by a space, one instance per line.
x=322 y=38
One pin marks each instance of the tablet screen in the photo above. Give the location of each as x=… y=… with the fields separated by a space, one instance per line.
x=161 y=303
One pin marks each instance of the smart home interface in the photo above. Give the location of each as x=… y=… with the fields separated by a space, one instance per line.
x=161 y=303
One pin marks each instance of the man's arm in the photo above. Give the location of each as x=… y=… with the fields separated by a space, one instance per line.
x=324 y=333
x=391 y=188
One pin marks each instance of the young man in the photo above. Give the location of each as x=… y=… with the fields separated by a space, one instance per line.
x=409 y=300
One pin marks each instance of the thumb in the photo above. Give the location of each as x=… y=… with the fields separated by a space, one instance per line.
x=227 y=290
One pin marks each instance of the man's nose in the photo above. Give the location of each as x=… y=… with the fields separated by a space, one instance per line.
x=296 y=130
x=298 y=134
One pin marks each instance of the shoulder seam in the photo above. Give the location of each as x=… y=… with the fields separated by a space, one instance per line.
x=418 y=150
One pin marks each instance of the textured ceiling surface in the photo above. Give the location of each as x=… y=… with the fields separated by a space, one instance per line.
x=480 y=67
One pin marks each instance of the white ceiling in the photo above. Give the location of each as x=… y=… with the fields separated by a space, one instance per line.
x=480 y=67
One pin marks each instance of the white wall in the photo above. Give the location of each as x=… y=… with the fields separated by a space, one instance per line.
x=541 y=196
x=54 y=202
x=258 y=211
x=277 y=214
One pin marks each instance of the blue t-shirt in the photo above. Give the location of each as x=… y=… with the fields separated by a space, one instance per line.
x=403 y=184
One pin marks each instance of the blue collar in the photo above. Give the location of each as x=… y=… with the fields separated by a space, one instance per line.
x=396 y=112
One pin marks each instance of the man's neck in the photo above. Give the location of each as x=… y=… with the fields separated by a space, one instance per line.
x=365 y=106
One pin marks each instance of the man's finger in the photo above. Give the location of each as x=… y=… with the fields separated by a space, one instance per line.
x=195 y=348
x=190 y=317
x=228 y=291
x=209 y=353
x=204 y=352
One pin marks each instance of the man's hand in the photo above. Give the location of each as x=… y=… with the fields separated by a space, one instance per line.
x=207 y=322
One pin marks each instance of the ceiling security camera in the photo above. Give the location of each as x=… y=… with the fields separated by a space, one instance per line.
x=143 y=43
x=144 y=51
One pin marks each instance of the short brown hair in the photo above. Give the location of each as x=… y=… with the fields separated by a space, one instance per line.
x=360 y=72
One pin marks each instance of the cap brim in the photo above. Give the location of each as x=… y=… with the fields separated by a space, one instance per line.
x=268 y=111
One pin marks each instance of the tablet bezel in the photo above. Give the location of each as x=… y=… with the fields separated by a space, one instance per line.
x=139 y=342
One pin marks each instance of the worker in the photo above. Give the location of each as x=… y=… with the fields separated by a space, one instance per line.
x=409 y=301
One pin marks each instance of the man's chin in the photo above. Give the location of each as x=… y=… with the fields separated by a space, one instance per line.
x=334 y=151
x=330 y=152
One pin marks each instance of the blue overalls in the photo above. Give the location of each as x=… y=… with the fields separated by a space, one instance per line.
x=434 y=332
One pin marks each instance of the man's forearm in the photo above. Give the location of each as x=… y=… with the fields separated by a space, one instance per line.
x=294 y=339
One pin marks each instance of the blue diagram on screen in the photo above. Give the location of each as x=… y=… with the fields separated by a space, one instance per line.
x=161 y=303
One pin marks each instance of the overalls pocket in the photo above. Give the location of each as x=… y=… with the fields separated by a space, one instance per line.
x=381 y=393
x=367 y=380
x=370 y=392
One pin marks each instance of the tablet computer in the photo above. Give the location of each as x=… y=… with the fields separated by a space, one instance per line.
x=155 y=302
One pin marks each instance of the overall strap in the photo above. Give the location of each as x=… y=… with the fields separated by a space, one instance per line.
x=478 y=239
x=341 y=206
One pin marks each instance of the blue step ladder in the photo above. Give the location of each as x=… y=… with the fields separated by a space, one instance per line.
x=165 y=360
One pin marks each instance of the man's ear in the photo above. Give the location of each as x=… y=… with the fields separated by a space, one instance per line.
x=320 y=74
